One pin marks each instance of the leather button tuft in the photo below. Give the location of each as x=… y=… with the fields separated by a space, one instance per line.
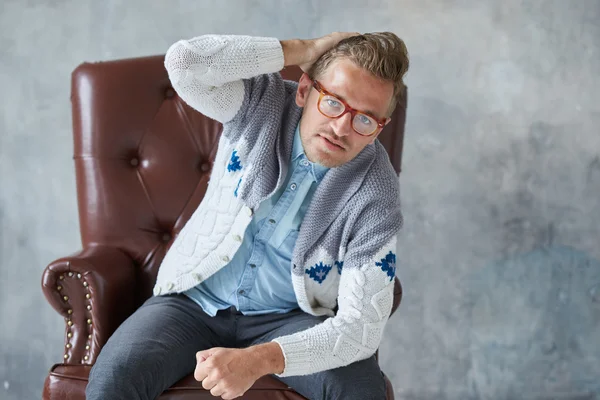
x=166 y=237
x=169 y=93
x=204 y=167
x=134 y=162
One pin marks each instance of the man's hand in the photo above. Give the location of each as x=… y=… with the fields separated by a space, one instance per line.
x=305 y=52
x=229 y=373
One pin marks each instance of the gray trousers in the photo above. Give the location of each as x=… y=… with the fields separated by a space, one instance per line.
x=156 y=346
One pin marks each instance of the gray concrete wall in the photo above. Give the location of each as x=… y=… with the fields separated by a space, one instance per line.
x=501 y=182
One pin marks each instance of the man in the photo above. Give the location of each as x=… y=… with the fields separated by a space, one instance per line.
x=287 y=265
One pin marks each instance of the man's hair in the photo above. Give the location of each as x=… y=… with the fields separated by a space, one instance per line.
x=383 y=54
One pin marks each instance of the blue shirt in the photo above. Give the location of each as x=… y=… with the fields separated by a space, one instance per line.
x=258 y=279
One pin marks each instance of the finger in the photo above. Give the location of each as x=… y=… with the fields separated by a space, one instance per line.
x=200 y=373
x=208 y=383
x=217 y=390
x=229 y=396
x=202 y=355
x=349 y=35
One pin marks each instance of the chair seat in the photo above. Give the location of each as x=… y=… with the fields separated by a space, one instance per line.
x=68 y=382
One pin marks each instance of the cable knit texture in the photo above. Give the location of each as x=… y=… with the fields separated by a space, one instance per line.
x=345 y=254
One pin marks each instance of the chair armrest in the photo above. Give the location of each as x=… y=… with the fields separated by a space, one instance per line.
x=395 y=304
x=397 y=295
x=94 y=290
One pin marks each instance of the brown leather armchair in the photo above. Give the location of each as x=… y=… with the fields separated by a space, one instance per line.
x=142 y=162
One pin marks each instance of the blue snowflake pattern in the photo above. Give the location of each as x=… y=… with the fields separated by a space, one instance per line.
x=319 y=272
x=388 y=264
x=237 y=187
x=339 y=265
x=234 y=163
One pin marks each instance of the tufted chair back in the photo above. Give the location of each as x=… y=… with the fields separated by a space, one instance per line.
x=143 y=160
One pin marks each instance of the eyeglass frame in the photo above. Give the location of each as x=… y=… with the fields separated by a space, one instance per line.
x=347 y=109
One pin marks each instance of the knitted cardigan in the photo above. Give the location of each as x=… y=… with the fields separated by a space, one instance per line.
x=345 y=251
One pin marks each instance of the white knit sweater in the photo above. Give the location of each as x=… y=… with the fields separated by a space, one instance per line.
x=345 y=252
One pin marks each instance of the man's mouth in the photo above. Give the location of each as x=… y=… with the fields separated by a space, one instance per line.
x=332 y=143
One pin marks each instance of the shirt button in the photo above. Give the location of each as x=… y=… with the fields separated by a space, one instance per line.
x=249 y=211
x=241 y=292
x=197 y=277
x=157 y=290
x=293 y=186
x=225 y=258
x=252 y=265
x=170 y=285
x=272 y=221
x=237 y=238
x=304 y=163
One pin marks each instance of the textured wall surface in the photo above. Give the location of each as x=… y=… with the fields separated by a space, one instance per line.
x=501 y=180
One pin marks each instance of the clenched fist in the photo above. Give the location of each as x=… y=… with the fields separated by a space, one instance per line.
x=229 y=373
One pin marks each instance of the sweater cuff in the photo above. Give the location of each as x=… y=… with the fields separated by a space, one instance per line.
x=270 y=54
x=297 y=356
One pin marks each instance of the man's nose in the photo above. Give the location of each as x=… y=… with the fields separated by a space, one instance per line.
x=342 y=126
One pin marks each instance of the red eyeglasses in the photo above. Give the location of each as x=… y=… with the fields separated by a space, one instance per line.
x=333 y=107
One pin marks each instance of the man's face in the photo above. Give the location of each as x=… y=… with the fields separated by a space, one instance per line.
x=332 y=142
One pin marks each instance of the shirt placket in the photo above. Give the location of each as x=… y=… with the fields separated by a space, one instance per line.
x=264 y=234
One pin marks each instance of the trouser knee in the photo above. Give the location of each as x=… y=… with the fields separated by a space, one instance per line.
x=116 y=379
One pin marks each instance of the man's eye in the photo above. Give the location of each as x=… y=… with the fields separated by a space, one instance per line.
x=333 y=103
x=365 y=120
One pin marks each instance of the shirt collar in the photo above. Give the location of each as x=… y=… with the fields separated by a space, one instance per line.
x=318 y=171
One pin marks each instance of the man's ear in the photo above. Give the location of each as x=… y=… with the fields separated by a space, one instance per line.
x=304 y=86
